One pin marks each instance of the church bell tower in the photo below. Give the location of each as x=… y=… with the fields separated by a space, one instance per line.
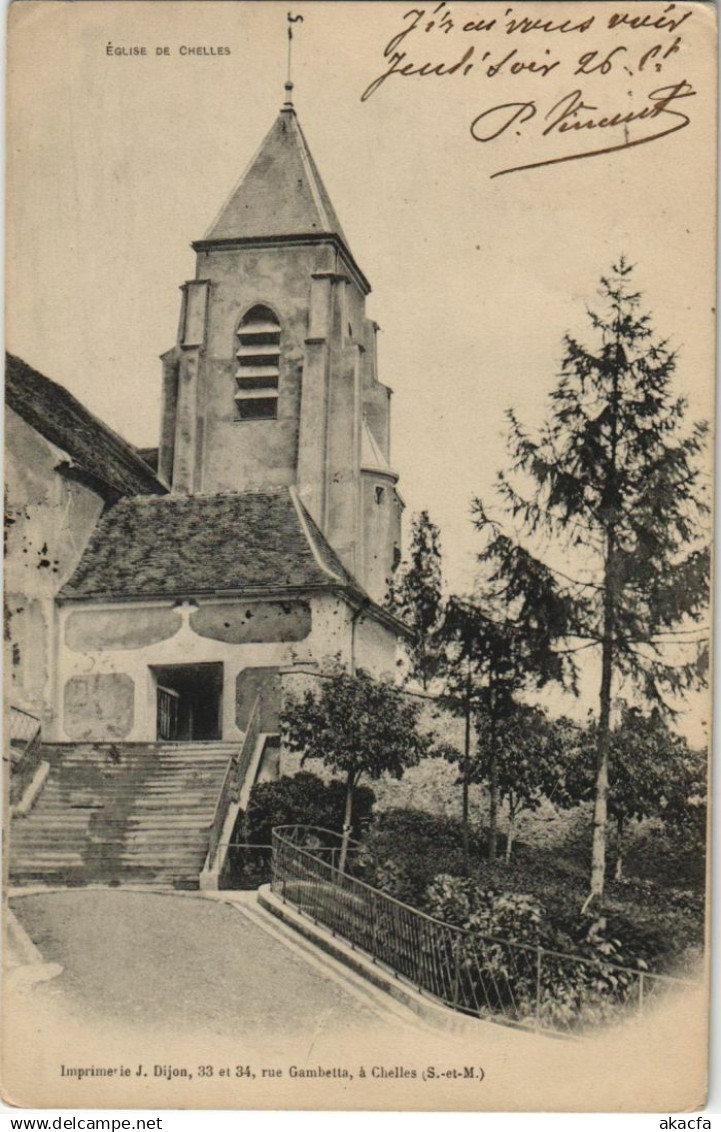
x=272 y=381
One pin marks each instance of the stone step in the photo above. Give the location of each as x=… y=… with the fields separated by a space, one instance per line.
x=185 y=803
x=188 y=868
x=176 y=758
x=126 y=755
x=144 y=754
x=156 y=821
x=154 y=747
x=171 y=835
x=176 y=763
x=142 y=817
x=56 y=837
x=85 y=801
x=76 y=800
x=163 y=850
x=58 y=860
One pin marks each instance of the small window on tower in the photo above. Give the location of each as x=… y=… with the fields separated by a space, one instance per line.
x=379 y=494
x=258 y=354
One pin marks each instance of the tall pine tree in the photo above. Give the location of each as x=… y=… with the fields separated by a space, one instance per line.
x=416 y=597
x=614 y=478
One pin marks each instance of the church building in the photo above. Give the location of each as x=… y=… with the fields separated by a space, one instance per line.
x=261 y=542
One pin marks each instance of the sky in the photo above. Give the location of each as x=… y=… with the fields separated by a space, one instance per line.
x=116 y=163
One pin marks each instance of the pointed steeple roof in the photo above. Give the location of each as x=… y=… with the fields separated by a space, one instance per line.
x=280 y=193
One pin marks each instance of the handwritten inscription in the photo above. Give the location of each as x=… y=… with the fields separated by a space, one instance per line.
x=572 y=113
x=624 y=54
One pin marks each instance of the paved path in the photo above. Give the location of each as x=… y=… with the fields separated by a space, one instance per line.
x=152 y=980
x=184 y=962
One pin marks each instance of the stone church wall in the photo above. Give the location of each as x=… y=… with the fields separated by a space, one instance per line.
x=100 y=706
x=48 y=521
x=106 y=682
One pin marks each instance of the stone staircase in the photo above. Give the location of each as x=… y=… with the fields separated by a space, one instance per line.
x=121 y=814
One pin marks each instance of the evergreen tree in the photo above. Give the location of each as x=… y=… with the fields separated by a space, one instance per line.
x=614 y=474
x=416 y=597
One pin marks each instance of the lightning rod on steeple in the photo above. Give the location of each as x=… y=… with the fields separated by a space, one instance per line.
x=289 y=81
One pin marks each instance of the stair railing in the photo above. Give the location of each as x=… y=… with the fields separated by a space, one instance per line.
x=23 y=752
x=23 y=732
x=235 y=774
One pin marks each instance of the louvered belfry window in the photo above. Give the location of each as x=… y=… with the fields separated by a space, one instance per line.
x=258 y=354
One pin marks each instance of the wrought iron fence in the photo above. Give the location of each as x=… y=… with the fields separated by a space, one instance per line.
x=246 y=866
x=476 y=974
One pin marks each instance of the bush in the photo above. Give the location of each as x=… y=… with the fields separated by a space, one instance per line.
x=403 y=850
x=512 y=916
x=499 y=969
x=302 y=799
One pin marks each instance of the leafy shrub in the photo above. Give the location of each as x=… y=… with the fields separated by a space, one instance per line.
x=509 y=915
x=403 y=850
x=500 y=968
x=302 y=799
x=451 y=899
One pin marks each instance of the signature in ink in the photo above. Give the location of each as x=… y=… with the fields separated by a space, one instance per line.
x=572 y=114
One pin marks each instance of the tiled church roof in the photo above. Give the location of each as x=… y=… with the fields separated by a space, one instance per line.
x=198 y=544
x=92 y=446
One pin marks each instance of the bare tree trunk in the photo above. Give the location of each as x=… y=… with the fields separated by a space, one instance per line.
x=510 y=832
x=493 y=785
x=347 y=823
x=600 y=808
x=618 y=874
x=466 y=777
x=493 y=814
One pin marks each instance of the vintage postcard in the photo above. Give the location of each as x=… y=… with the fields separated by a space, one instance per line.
x=358 y=465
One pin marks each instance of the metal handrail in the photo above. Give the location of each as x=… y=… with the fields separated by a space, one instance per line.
x=22 y=711
x=474 y=973
x=250 y=741
x=24 y=733
x=22 y=729
x=235 y=773
x=303 y=830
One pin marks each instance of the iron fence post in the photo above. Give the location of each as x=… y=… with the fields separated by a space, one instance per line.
x=456 y=973
x=428 y=953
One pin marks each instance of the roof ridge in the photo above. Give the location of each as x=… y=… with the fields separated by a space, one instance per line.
x=129 y=448
x=182 y=496
x=122 y=447
x=302 y=519
x=313 y=176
